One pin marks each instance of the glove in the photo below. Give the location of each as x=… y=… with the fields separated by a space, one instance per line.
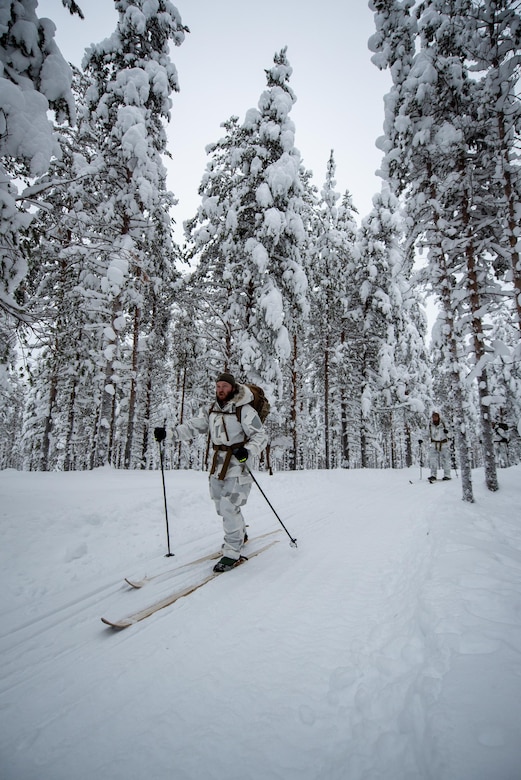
x=241 y=453
x=159 y=434
x=420 y=441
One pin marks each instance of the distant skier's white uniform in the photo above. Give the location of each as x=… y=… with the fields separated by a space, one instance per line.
x=439 y=448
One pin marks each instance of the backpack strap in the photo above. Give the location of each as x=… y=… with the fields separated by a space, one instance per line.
x=228 y=448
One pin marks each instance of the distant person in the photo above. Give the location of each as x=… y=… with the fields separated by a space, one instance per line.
x=236 y=432
x=439 y=447
x=501 y=441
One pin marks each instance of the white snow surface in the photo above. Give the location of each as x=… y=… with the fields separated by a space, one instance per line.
x=386 y=646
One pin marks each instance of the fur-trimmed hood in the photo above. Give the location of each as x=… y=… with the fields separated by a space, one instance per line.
x=243 y=395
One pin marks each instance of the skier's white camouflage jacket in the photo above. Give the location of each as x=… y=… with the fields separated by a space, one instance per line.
x=225 y=428
x=438 y=434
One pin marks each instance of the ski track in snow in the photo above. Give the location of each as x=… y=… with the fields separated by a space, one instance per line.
x=387 y=645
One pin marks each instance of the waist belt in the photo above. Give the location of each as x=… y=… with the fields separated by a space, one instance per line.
x=228 y=449
x=438 y=443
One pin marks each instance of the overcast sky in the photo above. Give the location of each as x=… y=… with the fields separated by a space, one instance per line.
x=221 y=68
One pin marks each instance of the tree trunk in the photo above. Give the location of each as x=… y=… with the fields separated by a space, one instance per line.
x=392 y=441
x=344 y=442
x=479 y=353
x=181 y=419
x=344 y=429
x=327 y=454
x=68 y=463
x=293 y=459
x=512 y=206
x=512 y=202
x=106 y=415
x=452 y=345
x=408 y=445
x=46 y=439
x=133 y=391
x=364 y=460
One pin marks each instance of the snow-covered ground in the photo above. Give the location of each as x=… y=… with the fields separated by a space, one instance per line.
x=387 y=645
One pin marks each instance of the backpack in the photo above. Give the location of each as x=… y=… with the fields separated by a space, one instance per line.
x=260 y=403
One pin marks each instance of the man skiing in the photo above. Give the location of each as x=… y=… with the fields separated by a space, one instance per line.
x=236 y=432
x=439 y=447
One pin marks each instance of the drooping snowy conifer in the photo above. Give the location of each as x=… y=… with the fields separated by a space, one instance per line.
x=329 y=262
x=249 y=236
x=249 y=228
x=127 y=104
x=34 y=79
x=494 y=48
x=439 y=156
x=391 y=374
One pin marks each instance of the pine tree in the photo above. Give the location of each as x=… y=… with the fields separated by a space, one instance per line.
x=221 y=288
x=468 y=197
x=505 y=387
x=129 y=100
x=330 y=260
x=60 y=344
x=34 y=78
x=380 y=313
x=439 y=157
x=249 y=235
x=493 y=39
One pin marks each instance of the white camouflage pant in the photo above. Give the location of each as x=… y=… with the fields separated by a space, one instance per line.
x=439 y=455
x=228 y=496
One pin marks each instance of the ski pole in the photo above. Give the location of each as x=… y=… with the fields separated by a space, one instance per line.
x=420 y=443
x=169 y=554
x=293 y=542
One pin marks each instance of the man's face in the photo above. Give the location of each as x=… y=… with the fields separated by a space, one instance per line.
x=223 y=390
x=436 y=419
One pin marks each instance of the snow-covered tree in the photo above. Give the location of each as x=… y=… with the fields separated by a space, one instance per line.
x=440 y=159
x=221 y=288
x=329 y=262
x=128 y=102
x=388 y=348
x=493 y=48
x=505 y=388
x=34 y=80
x=249 y=234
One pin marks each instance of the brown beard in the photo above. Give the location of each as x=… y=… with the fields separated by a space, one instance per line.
x=222 y=402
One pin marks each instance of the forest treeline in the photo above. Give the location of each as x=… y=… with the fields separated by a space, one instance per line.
x=109 y=327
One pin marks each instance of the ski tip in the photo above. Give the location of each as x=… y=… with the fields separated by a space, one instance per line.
x=120 y=624
x=134 y=583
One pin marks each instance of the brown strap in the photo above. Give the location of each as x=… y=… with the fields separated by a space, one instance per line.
x=228 y=448
x=220 y=411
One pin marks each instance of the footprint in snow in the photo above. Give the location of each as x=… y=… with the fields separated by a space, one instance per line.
x=73 y=553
